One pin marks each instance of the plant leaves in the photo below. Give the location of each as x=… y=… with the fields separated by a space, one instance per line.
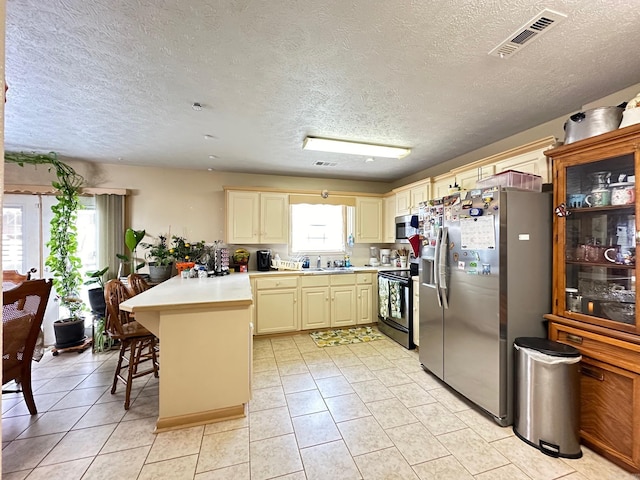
x=132 y=238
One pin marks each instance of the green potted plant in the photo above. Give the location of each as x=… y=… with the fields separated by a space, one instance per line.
x=132 y=239
x=63 y=261
x=160 y=259
x=96 y=295
x=63 y=245
x=101 y=341
x=185 y=252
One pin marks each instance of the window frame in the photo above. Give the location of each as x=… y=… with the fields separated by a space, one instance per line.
x=347 y=226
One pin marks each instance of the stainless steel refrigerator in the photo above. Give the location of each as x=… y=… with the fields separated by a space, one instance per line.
x=485 y=279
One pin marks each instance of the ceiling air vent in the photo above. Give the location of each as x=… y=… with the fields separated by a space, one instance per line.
x=325 y=164
x=535 y=27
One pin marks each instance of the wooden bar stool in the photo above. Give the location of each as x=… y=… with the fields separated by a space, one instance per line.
x=137 y=344
x=136 y=284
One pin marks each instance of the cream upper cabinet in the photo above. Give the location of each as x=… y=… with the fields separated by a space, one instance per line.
x=368 y=220
x=243 y=217
x=529 y=158
x=389 y=227
x=257 y=217
x=419 y=193
x=532 y=162
x=408 y=199
x=442 y=184
x=274 y=218
x=467 y=179
x=403 y=202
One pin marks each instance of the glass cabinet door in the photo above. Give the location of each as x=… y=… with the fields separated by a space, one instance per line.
x=600 y=243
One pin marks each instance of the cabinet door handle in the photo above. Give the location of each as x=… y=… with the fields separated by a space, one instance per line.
x=592 y=372
x=574 y=338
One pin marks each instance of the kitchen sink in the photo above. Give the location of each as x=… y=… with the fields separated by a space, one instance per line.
x=328 y=270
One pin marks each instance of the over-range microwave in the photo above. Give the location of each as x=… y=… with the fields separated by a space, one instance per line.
x=406 y=226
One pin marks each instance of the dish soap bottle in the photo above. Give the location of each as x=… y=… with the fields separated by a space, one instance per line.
x=350 y=240
x=347 y=261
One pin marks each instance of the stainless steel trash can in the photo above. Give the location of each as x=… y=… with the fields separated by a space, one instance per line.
x=547 y=396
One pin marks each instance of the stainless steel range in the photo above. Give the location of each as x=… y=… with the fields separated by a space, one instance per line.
x=395 y=306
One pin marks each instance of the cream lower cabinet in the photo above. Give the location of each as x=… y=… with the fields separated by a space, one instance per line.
x=276 y=304
x=365 y=296
x=343 y=300
x=315 y=304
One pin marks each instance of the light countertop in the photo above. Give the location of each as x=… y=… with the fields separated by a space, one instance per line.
x=186 y=293
x=313 y=271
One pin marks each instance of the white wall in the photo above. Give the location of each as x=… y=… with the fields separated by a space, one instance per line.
x=190 y=202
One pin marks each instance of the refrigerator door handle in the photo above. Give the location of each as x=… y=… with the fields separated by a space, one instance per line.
x=442 y=266
x=436 y=268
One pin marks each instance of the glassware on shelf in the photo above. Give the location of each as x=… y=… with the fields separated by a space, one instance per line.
x=574 y=300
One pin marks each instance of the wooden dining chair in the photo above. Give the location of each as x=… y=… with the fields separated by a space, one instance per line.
x=136 y=284
x=137 y=344
x=23 y=309
x=13 y=277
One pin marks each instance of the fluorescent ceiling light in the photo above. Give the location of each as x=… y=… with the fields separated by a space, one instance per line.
x=354 y=148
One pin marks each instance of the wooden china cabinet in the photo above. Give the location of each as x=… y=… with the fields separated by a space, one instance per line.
x=594 y=284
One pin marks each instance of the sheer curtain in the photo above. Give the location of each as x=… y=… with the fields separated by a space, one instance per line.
x=110 y=212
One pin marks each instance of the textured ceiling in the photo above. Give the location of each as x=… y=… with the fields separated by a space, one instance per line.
x=114 y=80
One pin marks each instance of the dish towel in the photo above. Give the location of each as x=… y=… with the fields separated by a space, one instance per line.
x=383 y=297
x=395 y=299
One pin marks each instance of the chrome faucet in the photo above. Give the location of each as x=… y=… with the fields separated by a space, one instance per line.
x=318 y=264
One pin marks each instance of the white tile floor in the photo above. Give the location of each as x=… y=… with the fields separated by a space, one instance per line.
x=360 y=411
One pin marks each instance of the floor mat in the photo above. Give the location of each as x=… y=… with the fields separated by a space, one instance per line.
x=345 y=336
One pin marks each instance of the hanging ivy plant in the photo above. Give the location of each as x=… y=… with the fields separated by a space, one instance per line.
x=63 y=245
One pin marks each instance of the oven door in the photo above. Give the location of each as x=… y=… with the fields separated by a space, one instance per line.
x=395 y=312
x=394 y=299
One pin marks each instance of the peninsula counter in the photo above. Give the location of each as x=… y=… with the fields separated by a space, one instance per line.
x=205 y=331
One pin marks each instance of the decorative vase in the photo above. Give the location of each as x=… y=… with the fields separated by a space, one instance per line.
x=159 y=273
x=68 y=332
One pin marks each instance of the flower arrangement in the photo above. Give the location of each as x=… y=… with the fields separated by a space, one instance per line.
x=159 y=251
x=184 y=251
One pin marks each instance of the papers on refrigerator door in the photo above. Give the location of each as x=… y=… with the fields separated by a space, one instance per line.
x=477 y=233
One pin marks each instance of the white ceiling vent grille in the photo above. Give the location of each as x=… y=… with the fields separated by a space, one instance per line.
x=535 y=27
x=325 y=164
